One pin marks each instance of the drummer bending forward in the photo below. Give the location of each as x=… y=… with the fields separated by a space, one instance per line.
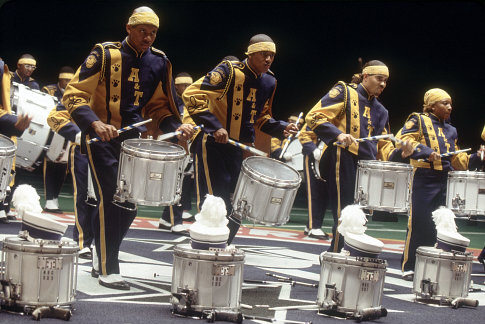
x=117 y=85
x=431 y=134
x=229 y=101
x=345 y=113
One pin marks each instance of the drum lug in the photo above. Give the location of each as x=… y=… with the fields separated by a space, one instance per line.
x=428 y=288
x=186 y=298
x=458 y=203
x=243 y=208
x=361 y=197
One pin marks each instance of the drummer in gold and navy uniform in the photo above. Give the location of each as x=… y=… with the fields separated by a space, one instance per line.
x=230 y=101
x=10 y=125
x=316 y=189
x=119 y=84
x=481 y=257
x=55 y=173
x=26 y=65
x=60 y=121
x=345 y=113
x=431 y=134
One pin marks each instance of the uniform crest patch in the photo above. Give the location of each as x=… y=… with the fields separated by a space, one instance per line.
x=90 y=61
x=409 y=124
x=215 y=78
x=334 y=92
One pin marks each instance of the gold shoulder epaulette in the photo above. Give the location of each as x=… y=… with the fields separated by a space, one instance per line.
x=111 y=44
x=237 y=65
x=353 y=85
x=159 y=52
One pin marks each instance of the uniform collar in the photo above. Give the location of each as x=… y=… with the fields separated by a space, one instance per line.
x=433 y=116
x=20 y=78
x=256 y=76
x=127 y=46
x=363 y=91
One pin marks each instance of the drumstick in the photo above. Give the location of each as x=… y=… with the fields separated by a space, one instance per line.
x=370 y=138
x=121 y=130
x=176 y=133
x=290 y=138
x=247 y=148
x=448 y=154
x=482 y=147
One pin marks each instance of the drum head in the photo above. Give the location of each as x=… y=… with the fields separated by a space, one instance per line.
x=7 y=147
x=153 y=149
x=64 y=246
x=186 y=251
x=271 y=170
x=466 y=174
x=391 y=166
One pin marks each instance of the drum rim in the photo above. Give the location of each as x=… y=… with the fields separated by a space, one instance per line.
x=466 y=174
x=143 y=153
x=430 y=251
x=7 y=150
x=182 y=250
x=351 y=260
x=18 y=244
x=256 y=175
x=375 y=164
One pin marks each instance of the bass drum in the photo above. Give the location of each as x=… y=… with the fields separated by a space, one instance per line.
x=34 y=140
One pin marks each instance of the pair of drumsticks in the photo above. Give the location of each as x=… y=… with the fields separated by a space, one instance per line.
x=176 y=133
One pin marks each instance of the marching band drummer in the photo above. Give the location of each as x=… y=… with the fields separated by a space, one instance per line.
x=120 y=83
x=316 y=189
x=26 y=66
x=481 y=257
x=10 y=125
x=229 y=101
x=54 y=172
x=347 y=112
x=60 y=122
x=431 y=134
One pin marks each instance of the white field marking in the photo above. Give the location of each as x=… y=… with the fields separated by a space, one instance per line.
x=285 y=293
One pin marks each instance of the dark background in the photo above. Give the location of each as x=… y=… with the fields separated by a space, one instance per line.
x=425 y=44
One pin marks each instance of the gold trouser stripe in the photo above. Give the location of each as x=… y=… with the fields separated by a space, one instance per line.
x=196 y=170
x=206 y=165
x=74 y=184
x=433 y=140
x=410 y=227
x=102 y=234
x=172 y=220
x=309 y=192
x=44 y=169
x=337 y=179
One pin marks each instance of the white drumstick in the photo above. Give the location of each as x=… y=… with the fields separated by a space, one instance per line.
x=121 y=130
x=247 y=148
x=448 y=154
x=176 y=133
x=370 y=138
x=290 y=138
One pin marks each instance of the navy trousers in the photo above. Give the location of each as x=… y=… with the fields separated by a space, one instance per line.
x=317 y=194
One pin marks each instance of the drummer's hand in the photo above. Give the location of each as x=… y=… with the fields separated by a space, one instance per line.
x=481 y=152
x=187 y=132
x=291 y=129
x=221 y=136
x=407 y=149
x=345 y=139
x=23 y=122
x=434 y=156
x=104 y=131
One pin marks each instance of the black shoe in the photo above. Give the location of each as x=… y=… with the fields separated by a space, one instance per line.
x=87 y=255
x=4 y=220
x=11 y=217
x=318 y=234
x=53 y=211
x=94 y=273
x=481 y=259
x=163 y=224
x=120 y=285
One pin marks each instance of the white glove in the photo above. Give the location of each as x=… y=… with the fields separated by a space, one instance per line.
x=317 y=153
x=287 y=156
x=78 y=139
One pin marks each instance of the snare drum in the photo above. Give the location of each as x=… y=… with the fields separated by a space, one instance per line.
x=39 y=273
x=58 y=149
x=465 y=194
x=7 y=154
x=265 y=191
x=441 y=275
x=150 y=172
x=206 y=280
x=33 y=141
x=350 y=285
x=297 y=158
x=383 y=186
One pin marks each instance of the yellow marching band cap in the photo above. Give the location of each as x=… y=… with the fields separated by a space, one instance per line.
x=261 y=47
x=25 y=60
x=434 y=95
x=66 y=75
x=376 y=69
x=144 y=18
x=184 y=80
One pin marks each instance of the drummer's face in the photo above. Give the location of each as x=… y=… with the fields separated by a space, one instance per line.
x=442 y=109
x=25 y=70
x=374 y=83
x=141 y=37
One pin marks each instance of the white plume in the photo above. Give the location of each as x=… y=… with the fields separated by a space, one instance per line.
x=25 y=198
x=213 y=212
x=444 y=220
x=352 y=220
